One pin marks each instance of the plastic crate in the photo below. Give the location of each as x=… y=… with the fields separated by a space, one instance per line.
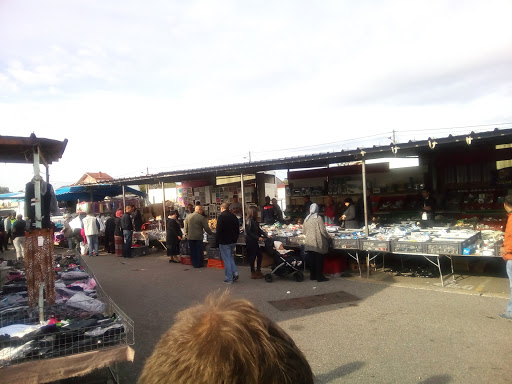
x=346 y=244
x=211 y=240
x=214 y=263
x=451 y=247
x=213 y=253
x=445 y=248
x=140 y=251
x=375 y=245
x=409 y=247
x=187 y=260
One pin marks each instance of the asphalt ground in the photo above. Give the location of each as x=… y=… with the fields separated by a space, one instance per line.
x=401 y=330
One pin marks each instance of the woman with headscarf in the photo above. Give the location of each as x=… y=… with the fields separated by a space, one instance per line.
x=173 y=236
x=118 y=234
x=349 y=215
x=316 y=243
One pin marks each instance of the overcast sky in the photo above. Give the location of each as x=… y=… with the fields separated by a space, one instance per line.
x=163 y=84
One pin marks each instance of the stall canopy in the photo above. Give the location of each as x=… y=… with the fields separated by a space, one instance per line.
x=21 y=149
x=96 y=192
x=420 y=148
x=12 y=196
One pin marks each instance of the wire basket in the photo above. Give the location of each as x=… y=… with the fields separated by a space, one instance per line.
x=84 y=322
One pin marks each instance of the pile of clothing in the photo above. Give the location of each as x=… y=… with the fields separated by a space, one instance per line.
x=76 y=323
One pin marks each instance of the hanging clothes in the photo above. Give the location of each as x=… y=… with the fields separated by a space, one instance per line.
x=48 y=202
x=39 y=265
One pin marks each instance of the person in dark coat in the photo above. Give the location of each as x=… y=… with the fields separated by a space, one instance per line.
x=137 y=219
x=268 y=213
x=118 y=234
x=2 y=234
x=173 y=237
x=228 y=230
x=254 y=234
x=110 y=226
x=349 y=215
x=127 y=226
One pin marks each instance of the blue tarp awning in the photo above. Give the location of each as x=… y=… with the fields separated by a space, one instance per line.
x=98 y=192
x=12 y=196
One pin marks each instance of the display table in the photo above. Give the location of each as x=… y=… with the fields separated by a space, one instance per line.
x=49 y=370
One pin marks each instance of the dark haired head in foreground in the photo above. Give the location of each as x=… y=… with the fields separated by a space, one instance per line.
x=225 y=340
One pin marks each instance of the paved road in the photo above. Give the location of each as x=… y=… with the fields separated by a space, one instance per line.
x=391 y=335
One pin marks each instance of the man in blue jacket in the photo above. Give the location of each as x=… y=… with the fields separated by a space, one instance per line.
x=226 y=237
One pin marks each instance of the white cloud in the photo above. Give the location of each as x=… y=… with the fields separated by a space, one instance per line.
x=240 y=76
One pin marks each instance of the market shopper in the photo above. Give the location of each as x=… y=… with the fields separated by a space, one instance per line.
x=506 y=253
x=268 y=213
x=316 y=242
x=18 y=236
x=7 y=229
x=226 y=236
x=68 y=232
x=188 y=211
x=278 y=211
x=193 y=232
x=253 y=235
x=118 y=234
x=349 y=215
x=110 y=226
x=2 y=234
x=173 y=236
x=236 y=208
x=92 y=230
x=127 y=227
x=137 y=219
x=225 y=340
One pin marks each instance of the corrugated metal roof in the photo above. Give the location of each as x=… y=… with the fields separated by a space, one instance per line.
x=410 y=148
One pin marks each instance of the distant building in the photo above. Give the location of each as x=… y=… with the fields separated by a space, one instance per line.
x=92 y=178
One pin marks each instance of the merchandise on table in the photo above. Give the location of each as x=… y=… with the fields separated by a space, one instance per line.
x=400 y=238
x=78 y=321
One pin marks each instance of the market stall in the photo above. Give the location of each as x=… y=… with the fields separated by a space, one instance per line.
x=42 y=302
x=468 y=174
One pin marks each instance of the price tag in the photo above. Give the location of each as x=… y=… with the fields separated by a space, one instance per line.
x=40 y=241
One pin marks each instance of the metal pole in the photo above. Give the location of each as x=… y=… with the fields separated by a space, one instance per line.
x=164 y=218
x=124 y=199
x=365 y=202
x=243 y=199
x=37 y=189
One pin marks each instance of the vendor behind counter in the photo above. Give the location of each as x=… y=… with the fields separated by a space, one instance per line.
x=427 y=208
